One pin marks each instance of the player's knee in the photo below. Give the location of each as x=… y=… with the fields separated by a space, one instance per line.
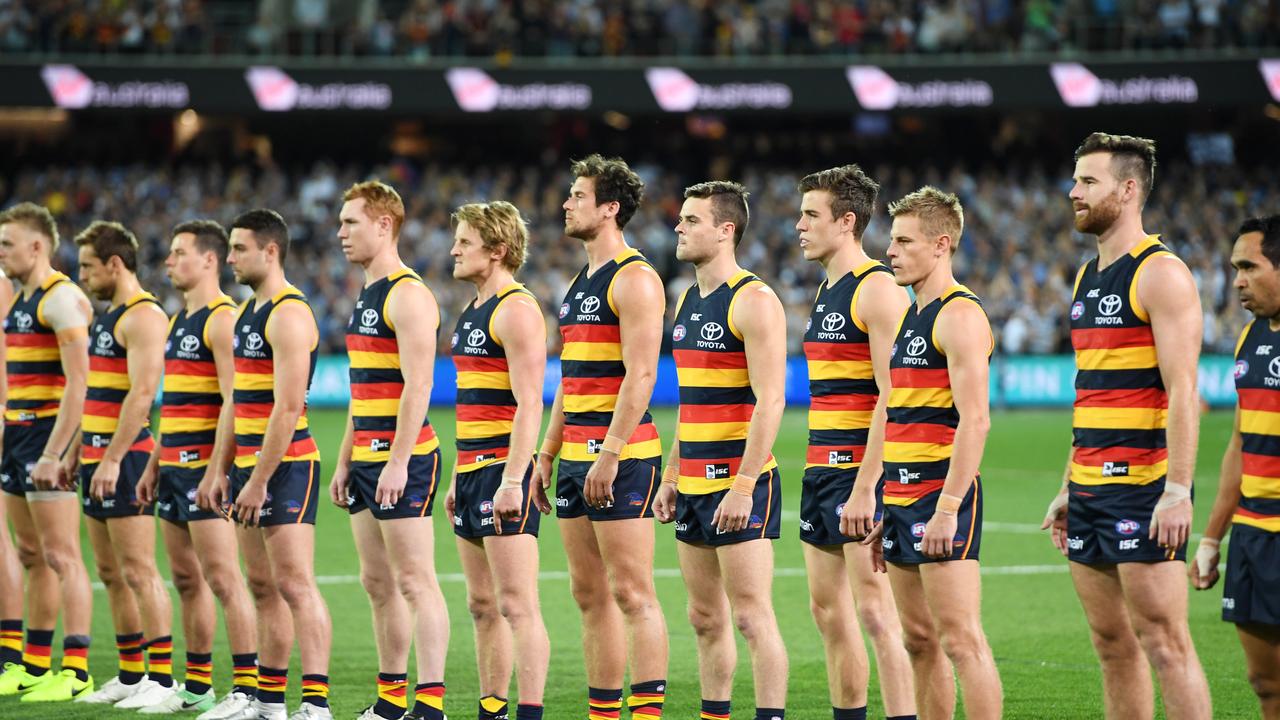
x=963 y=644
x=876 y=622
x=1166 y=645
x=378 y=585
x=632 y=599
x=824 y=616
x=414 y=586
x=295 y=590
x=919 y=642
x=29 y=556
x=483 y=608
x=1266 y=686
x=589 y=595
x=61 y=560
x=188 y=582
x=707 y=622
x=139 y=576
x=221 y=583
x=263 y=589
x=751 y=620
x=516 y=608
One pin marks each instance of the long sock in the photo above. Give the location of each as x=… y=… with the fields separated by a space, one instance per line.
x=160 y=660
x=604 y=703
x=10 y=641
x=75 y=655
x=199 y=672
x=770 y=714
x=315 y=690
x=646 y=699
x=428 y=701
x=129 y=648
x=391 y=695
x=528 y=711
x=714 y=710
x=900 y=717
x=858 y=713
x=271 y=684
x=35 y=656
x=492 y=707
x=244 y=673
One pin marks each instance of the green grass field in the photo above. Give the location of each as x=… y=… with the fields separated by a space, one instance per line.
x=1033 y=620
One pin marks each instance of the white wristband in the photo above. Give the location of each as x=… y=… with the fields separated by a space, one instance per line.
x=1207 y=555
x=1173 y=494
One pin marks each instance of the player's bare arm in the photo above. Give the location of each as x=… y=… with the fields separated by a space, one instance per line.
x=519 y=325
x=291 y=330
x=213 y=490
x=412 y=314
x=1168 y=293
x=881 y=305
x=339 y=483
x=641 y=303
x=1203 y=571
x=963 y=334
x=141 y=333
x=759 y=317
x=551 y=442
x=68 y=312
x=664 y=502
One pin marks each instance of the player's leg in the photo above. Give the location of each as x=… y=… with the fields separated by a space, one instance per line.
x=747 y=569
x=133 y=540
x=513 y=561
x=879 y=619
x=410 y=544
x=603 y=629
x=214 y=543
x=935 y=690
x=125 y=618
x=495 y=653
x=390 y=613
x=56 y=516
x=627 y=548
x=710 y=616
x=43 y=593
x=953 y=591
x=1126 y=676
x=275 y=629
x=831 y=603
x=10 y=598
x=196 y=607
x=1156 y=596
x=291 y=550
x=1261 y=645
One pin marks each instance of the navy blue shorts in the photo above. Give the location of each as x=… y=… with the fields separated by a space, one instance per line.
x=1251 y=589
x=904 y=529
x=24 y=442
x=176 y=495
x=823 y=493
x=473 y=504
x=1108 y=524
x=694 y=514
x=419 y=490
x=292 y=492
x=633 y=490
x=124 y=503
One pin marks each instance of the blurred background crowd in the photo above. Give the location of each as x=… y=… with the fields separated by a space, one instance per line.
x=422 y=29
x=1019 y=252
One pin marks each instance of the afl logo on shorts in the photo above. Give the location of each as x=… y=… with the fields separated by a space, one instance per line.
x=1077 y=310
x=677 y=333
x=1242 y=368
x=917 y=530
x=486 y=507
x=564 y=310
x=1127 y=527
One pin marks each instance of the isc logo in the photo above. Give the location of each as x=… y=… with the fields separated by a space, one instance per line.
x=1130 y=543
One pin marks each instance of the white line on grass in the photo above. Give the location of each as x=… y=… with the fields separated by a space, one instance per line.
x=561 y=575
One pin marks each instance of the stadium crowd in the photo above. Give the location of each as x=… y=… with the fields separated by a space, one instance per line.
x=1020 y=257
x=591 y=28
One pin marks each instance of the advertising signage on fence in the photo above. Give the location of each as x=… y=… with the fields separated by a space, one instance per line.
x=816 y=88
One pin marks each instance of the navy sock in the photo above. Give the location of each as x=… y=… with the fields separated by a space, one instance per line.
x=770 y=714
x=528 y=712
x=858 y=713
x=714 y=710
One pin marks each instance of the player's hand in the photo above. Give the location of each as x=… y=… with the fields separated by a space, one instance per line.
x=859 y=515
x=146 y=488
x=875 y=541
x=211 y=493
x=939 y=534
x=450 y=501
x=391 y=482
x=69 y=472
x=47 y=474
x=1203 y=569
x=733 y=513
x=507 y=504
x=1171 y=522
x=540 y=481
x=249 y=503
x=664 y=503
x=1055 y=520
x=339 y=492
x=105 y=477
x=597 y=489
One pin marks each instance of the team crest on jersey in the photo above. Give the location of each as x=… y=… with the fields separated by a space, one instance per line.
x=454 y=341
x=1242 y=368
x=1077 y=310
x=564 y=310
x=678 y=333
